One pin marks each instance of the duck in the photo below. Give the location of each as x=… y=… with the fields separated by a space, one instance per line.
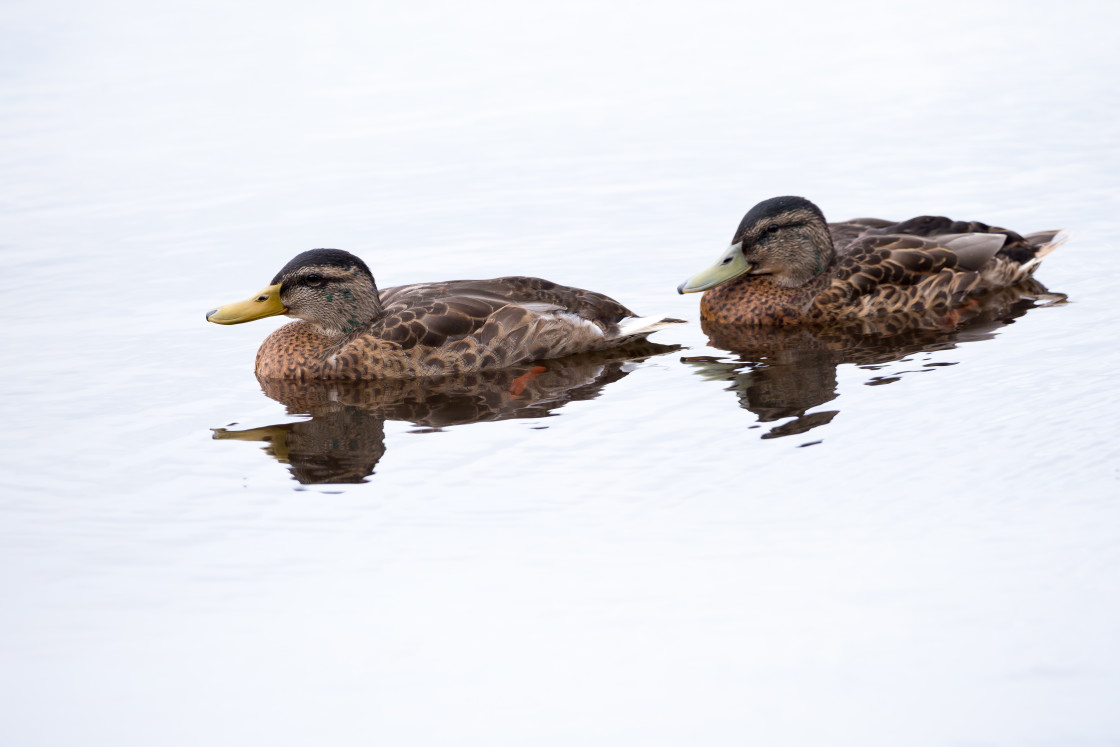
x=347 y=329
x=786 y=266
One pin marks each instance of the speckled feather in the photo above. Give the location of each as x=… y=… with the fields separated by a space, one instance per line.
x=452 y=327
x=880 y=268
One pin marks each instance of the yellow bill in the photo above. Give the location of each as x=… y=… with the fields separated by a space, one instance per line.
x=265 y=303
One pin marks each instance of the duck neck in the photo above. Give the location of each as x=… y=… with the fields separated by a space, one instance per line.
x=817 y=257
x=353 y=307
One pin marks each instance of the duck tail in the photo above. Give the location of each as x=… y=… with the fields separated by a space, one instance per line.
x=1047 y=242
x=640 y=326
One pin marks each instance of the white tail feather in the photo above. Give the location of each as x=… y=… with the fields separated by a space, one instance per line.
x=1053 y=240
x=1056 y=239
x=639 y=326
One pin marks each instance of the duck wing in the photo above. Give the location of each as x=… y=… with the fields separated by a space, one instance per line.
x=434 y=314
x=1016 y=247
x=882 y=274
x=844 y=235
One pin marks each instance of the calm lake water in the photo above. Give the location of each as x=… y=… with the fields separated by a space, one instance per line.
x=913 y=541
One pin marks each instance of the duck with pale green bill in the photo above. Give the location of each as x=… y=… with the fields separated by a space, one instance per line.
x=787 y=266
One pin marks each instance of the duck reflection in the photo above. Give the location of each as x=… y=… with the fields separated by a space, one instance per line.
x=785 y=373
x=344 y=438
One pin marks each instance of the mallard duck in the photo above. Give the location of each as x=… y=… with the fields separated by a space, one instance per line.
x=786 y=266
x=347 y=329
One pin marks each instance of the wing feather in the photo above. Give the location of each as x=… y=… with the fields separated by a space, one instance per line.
x=435 y=314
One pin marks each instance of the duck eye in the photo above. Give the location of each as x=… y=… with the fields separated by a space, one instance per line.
x=314 y=279
x=773 y=228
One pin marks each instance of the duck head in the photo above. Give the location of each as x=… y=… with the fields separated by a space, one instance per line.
x=330 y=288
x=785 y=238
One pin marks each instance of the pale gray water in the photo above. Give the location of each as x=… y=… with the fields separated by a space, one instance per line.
x=640 y=566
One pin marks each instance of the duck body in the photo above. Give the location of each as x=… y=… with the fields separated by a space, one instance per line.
x=455 y=327
x=787 y=267
x=759 y=302
x=349 y=330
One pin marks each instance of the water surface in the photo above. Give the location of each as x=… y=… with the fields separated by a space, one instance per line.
x=799 y=542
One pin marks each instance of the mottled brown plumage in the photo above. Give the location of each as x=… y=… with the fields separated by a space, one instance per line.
x=788 y=267
x=349 y=330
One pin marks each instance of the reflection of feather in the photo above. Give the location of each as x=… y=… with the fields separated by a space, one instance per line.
x=345 y=436
x=784 y=372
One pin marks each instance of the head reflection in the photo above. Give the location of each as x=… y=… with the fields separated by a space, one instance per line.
x=344 y=438
x=784 y=374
